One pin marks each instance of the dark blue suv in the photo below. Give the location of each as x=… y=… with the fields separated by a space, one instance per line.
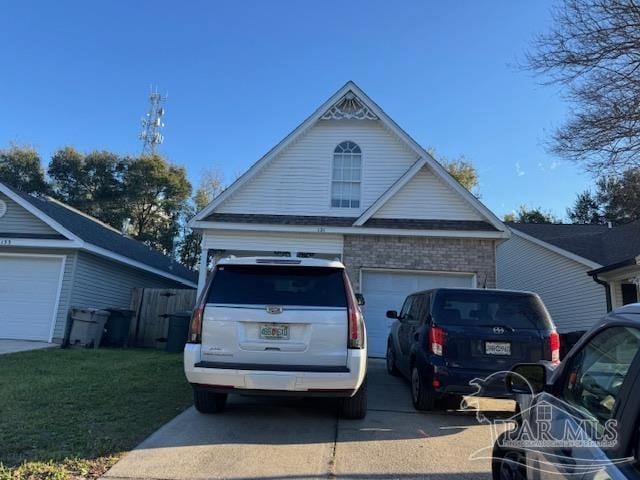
x=444 y=338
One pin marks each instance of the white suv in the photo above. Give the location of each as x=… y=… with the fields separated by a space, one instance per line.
x=279 y=326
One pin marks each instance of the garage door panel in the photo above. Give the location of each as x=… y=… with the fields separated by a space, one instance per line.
x=387 y=290
x=29 y=289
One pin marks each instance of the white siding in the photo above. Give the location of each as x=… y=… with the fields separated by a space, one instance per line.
x=272 y=241
x=19 y=220
x=425 y=196
x=298 y=181
x=574 y=300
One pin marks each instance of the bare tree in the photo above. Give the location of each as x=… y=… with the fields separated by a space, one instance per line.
x=593 y=50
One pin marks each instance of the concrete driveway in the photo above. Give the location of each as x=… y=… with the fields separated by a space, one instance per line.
x=272 y=438
x=13 y=346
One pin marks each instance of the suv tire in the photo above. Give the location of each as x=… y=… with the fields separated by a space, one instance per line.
x=355 y=407
x=392 y=369
x=422 y=396
x=209 y=402
x=508 y=464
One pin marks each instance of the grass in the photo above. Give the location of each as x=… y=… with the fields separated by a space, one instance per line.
x=67 y=414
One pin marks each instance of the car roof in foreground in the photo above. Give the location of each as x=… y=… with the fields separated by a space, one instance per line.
x=630 y=308
x=480 y=291
x=281 y=261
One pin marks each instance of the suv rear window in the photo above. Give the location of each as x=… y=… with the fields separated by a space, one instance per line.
x=276 y=285
x=491 y=308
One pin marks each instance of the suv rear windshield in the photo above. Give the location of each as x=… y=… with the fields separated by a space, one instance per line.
x=484 y=308
x=276 y=285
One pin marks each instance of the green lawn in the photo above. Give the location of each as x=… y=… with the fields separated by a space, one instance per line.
x=71 y=413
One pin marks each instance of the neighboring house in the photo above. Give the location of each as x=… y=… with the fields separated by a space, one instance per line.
x=580 y=271
x=349 y=183
x=53 y=257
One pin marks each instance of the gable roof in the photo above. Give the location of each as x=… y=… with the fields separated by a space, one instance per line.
x=99 y=238
x=597 y=243
x=349 y=90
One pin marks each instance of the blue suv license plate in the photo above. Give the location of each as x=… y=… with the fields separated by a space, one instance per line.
x=497 y=348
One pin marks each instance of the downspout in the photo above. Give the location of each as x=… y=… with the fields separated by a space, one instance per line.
x=607 y=289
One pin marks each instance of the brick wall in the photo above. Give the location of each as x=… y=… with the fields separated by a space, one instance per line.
x=421 y=253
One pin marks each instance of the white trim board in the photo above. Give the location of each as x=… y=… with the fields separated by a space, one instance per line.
x=392 y=126
x=8 y=242
x=252 y=227
x=133 y=263
x=56 y=305
x=560 y=251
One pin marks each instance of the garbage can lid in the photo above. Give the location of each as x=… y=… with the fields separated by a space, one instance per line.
x=95 y=311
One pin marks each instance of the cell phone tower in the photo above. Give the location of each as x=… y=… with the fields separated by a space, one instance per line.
x=152 y=123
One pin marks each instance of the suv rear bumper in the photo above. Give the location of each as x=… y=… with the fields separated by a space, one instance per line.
x=268 y=380
x=463 y=381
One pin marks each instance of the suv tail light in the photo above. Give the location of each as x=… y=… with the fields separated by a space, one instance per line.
x=436 y=340
x=356 y=322
x=195 y=327
x=554 y=346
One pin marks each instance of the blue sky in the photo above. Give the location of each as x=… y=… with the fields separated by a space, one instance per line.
x=241 y=75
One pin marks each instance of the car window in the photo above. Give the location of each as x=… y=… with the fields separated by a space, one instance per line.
x=277 y=285
x=406 y=307
x=596 y=373
x=427 y=305
x=416 y=312
x=482 y=308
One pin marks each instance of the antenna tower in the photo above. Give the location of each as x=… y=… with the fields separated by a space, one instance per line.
x=152 y=123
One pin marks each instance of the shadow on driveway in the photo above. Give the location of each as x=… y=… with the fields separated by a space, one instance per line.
x=267 y=437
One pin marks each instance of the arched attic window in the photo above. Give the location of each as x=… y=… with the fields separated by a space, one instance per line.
x=346 y=176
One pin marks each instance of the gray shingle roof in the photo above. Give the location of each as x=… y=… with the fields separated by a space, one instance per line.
x=597 y=243
x=320 y=221
x=91 y=231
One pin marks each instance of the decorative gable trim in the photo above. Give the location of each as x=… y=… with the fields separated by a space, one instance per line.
x=351 y=87
x=349 y=107
x=401 y=182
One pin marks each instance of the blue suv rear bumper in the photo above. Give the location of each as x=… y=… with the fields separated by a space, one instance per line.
x=446 y=379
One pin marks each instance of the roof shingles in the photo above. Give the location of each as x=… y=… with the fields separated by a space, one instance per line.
x=93 y=232
x=597 y=243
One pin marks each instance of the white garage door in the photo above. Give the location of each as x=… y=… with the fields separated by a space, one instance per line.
x=386 y=290
x=29 y=290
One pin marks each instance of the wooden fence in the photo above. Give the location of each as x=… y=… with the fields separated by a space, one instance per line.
x=152 y=307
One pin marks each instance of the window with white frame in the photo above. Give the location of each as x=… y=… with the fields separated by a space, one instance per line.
x=346 y=176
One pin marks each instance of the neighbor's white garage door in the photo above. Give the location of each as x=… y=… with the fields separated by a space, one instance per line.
x=386 y=290
x=29 y=290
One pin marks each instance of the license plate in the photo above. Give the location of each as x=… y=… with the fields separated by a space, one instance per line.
x=274 y=332
x=497 y=348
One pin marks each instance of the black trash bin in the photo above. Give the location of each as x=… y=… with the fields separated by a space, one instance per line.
x=117 y=328
x=178 y=332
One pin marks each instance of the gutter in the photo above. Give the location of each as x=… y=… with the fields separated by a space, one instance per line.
x=607 y=288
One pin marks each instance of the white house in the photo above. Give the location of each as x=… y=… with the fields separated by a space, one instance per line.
x=579 y=271
x=348 y=182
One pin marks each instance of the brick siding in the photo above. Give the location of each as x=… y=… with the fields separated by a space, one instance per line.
x=421 y=253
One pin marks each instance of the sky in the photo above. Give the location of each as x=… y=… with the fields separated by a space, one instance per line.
x=240 y=75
